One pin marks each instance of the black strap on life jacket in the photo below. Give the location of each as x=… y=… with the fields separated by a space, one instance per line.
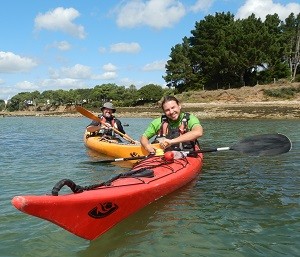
x=163 y=126
x=185 y=121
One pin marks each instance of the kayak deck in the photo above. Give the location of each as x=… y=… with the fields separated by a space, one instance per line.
x=91 y=213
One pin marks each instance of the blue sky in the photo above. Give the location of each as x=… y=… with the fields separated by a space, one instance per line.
x=50 y=45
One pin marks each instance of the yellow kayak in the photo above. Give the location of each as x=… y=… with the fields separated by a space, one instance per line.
x=112 y=148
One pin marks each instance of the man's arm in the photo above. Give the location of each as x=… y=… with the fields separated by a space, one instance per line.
x=146 y=144
x=94 y=126
x=150 y=132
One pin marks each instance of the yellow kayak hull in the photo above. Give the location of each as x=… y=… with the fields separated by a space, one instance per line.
x=113 y=148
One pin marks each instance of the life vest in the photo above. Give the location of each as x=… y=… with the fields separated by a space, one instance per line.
x=106 y=131
x=166 y=131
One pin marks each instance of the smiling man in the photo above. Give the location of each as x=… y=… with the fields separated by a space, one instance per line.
x=175 y=130
x=108 y=122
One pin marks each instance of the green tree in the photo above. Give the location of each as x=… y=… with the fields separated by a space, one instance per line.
x=18 y=102
x=150 y=93
x=274 y=65
x=253 y=40
x=130 y=96
x=83 y=95
x=223 y=51
x=179 y=69
x=211 y=57
x=2 y=105
x=291 y=35
x=103 y=93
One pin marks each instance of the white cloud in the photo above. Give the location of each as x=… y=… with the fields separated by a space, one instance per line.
x=6 y=92
x=10 y=63
x=201 y=5
x=109 y=75
x=154 y=13
x=109 y=67
x=62 y=45
x=128 y=82
x=78 y=71
x=26 y=85
x=62 y=83
x=60 y=19
x=69 y=76
x=102 y=49
x=154 y=66
x=263 y=8
x=125 y=48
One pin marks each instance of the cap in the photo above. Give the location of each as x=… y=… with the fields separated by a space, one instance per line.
x=108 y=105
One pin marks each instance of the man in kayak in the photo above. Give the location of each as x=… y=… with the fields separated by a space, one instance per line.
x=108 y=122
x=175 y=130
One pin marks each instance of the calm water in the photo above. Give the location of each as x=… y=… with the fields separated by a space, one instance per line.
x=239 y=206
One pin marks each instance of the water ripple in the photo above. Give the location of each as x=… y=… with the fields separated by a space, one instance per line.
x=239 y=206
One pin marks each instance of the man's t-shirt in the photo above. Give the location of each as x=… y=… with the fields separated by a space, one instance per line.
x=155 y=125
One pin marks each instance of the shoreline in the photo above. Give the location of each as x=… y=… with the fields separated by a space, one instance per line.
x=212 y=110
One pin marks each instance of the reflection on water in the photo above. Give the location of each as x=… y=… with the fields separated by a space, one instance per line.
x=239 y=205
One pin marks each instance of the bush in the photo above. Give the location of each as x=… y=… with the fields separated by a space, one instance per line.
x=284 y=93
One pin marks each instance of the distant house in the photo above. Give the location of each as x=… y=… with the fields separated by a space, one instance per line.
x=28 y=102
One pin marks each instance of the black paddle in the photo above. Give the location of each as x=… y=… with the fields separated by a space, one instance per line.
x=259 y=145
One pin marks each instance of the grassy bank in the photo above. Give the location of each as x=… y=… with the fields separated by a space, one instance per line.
x=273 y=101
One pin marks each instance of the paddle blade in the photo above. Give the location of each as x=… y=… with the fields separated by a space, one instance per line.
x=264 y=145
x=87 y=113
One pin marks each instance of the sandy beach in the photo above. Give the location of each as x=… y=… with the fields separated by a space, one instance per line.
x=212 y=110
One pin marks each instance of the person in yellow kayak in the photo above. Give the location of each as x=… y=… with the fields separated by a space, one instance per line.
x=108 y=122
x=175 y=130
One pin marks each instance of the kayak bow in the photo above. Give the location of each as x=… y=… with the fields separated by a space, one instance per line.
x=90 y=213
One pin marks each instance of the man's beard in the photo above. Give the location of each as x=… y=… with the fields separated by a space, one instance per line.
x=108 y=117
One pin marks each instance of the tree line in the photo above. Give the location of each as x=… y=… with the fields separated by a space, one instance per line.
x=223 y=52
x=91 y=97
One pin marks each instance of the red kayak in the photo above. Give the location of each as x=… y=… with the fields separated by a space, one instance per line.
x=91 y=211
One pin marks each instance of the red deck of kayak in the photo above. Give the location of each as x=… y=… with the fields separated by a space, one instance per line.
x=91 y=213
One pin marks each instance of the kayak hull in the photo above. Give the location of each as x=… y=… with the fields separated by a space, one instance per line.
x=115 y=149
x=91 y=213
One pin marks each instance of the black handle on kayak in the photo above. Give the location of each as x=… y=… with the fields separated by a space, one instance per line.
x=258 y=145
x=141 y=173
x=66 y=182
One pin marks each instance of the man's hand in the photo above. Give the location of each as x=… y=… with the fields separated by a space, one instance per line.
x=107 y=126
x=166 y=143
x=150 y=149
